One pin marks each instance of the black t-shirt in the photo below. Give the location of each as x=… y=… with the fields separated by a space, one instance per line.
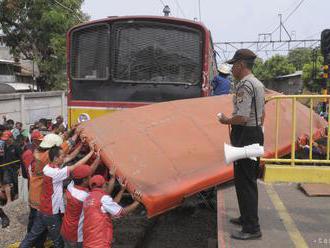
x=12 y=153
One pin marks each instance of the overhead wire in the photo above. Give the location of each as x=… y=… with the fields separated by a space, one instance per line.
x=291 y=13
x=161 y=1
x=178 y=5
x=69 y=9
x=294 y=10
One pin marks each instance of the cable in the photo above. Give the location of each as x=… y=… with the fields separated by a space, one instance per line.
x=283 y=12
x=161 y=1
x=178 y=5
x=70 y=10
x=291 y=13
x=295 y=9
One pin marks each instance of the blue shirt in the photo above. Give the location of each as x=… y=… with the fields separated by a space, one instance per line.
x=221 y=85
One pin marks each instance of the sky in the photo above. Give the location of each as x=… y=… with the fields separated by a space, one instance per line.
x=233 y=20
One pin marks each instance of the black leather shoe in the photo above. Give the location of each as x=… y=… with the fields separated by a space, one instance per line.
x=245 y=236
x=236 y=221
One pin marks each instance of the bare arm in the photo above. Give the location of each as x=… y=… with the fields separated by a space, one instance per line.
x=81 y=161
x=96 y=162
x=111 y=185
x=119 y=195
x=134 y=205
x=94 y=165
x=235 y=120
x=130 y=208
x=73 y=154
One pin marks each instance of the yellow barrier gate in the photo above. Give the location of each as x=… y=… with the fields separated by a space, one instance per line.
x=286 y=170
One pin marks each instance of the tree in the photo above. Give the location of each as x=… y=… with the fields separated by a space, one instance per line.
x=36 y=30
x=299 y=57
x=312 y=72
x=259 y=70
x=275 y=66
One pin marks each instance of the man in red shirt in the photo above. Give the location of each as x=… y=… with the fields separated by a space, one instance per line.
x=40 y=160
x=27 y=155
x=77 y=192
x=99 y=208
x=49 y=217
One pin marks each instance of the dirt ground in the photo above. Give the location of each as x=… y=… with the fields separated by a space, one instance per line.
x=17 y=212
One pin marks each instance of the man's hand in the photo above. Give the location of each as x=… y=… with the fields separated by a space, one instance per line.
x=137 y=196
x=223 y=119
x=113 y=171
x=97 y=154
x=83 y=139
x=92 y=145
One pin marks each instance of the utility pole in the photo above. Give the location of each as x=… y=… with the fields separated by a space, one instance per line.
x=282 y=26
x=325 y=49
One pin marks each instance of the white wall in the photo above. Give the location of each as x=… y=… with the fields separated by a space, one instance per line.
x=35 y=106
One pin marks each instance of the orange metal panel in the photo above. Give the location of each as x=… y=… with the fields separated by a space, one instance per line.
x=171 y=150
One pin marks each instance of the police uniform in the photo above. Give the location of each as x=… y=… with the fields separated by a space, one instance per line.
x=248 y=101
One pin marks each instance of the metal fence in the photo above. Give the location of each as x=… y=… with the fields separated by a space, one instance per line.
x=293 y=160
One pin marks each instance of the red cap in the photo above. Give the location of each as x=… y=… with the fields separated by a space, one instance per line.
x=96 y=181
x=36 y=135
x=6 y=135
x=82 y=171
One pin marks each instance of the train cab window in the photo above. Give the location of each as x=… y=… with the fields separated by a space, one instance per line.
x=147 y=52
x=90 y=53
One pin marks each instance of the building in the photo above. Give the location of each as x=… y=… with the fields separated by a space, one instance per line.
x=291 y=84
x=16 y=76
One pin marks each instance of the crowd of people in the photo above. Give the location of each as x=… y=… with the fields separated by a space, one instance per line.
x=68 y=186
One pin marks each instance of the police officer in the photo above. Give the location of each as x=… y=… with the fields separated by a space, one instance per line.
x=246 y=122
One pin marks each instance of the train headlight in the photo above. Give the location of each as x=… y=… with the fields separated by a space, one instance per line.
x=83 y=117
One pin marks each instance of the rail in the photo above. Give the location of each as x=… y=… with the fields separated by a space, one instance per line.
x=293 y=160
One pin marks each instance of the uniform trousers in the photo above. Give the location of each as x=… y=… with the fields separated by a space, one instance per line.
x=245 y=176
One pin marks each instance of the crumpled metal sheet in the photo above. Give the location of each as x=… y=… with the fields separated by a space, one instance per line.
x=171 y=150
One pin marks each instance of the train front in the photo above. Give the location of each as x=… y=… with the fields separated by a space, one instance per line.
x=124 y=62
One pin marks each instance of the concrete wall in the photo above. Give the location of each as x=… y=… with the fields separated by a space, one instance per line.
x=288 y=86
x=30 y=107
x=7 y=78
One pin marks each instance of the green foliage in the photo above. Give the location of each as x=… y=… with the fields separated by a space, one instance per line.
x=312 y=72
x=37 y=30
x=299 y=57
x=259 y=69
x=275 y=66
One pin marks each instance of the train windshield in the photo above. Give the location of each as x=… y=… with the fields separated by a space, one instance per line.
x=135 y=60
x=147 y=52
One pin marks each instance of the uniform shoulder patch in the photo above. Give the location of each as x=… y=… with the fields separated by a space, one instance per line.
x=239 y=96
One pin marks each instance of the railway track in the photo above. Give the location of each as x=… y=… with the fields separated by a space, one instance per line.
x=193 y=225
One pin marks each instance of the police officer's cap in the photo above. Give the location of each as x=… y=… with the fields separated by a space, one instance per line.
x=242 y=54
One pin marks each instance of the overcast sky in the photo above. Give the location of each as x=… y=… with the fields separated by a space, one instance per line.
x=231 y=20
